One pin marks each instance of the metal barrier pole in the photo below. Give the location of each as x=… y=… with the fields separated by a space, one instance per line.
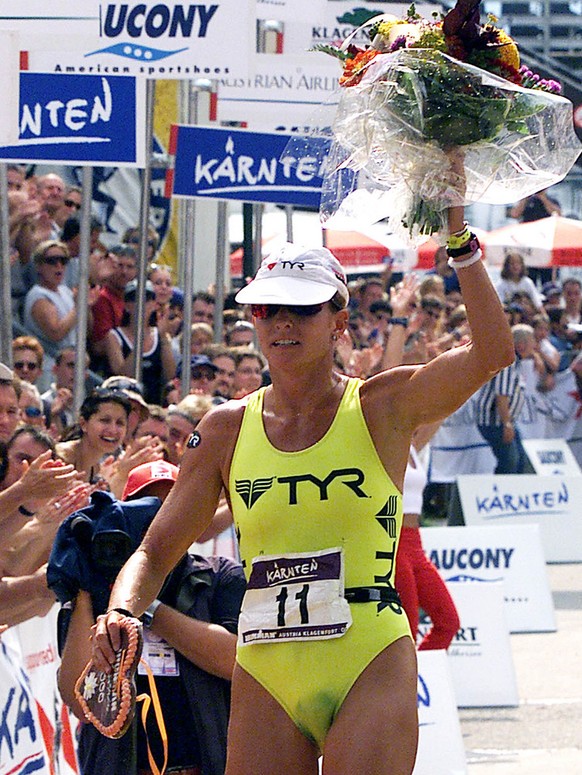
x=144 y=216
x=83 y=291
x=221 y=239
x=289 y=222
x=195 y=113
x=5 y=278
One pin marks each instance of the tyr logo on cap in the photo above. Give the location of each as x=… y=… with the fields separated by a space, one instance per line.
x=287 y=264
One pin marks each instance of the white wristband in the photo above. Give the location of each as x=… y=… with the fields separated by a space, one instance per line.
x=465 y=262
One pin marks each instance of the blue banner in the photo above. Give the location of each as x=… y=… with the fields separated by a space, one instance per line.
x=77 y=119
x=248 y=166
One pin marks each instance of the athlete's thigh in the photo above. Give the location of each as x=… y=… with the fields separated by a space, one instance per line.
x=376 y=729
x=262 y=738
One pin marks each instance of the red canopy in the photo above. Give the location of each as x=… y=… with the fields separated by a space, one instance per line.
x=353 y=250
x=553 y=241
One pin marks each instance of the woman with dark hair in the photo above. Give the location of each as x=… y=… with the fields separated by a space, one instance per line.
x=514 y=279
x=99 y=433
x=158 y=359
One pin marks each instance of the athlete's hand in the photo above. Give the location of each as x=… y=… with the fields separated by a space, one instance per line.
x=106 y=639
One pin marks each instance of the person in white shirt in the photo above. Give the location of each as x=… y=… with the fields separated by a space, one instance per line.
x=514 y=279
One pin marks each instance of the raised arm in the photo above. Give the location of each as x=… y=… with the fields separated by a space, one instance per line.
x=424 y=394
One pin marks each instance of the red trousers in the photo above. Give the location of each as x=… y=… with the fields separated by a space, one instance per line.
x=420 y=585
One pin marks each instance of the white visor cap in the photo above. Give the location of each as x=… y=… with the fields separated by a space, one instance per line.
x=295 y=275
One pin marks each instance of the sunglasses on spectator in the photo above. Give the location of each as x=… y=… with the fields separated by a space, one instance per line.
x=72 y=203
x=26 y=365
x=32 y=411
x=265 y=311
x=54 y=260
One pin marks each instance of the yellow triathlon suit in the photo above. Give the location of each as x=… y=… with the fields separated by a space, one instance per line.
x=310 y=522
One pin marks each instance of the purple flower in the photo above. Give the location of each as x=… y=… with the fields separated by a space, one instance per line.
x=399 y=42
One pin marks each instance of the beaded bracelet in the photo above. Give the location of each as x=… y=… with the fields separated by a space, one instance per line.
x=467 y=262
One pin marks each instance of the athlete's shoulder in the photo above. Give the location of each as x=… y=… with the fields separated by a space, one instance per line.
x=386 y=384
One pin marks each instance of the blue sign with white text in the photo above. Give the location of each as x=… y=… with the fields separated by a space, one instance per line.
x=214 y=163
x=77 y=119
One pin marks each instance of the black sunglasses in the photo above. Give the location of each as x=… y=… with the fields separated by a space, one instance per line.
x=264 y=311
x=54 y=260
x=125 y=384
x=26 y=365
x=71 y=203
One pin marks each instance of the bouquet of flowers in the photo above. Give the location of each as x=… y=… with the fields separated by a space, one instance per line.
x=423 y=90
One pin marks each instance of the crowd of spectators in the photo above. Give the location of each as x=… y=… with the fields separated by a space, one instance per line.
x=53 y=460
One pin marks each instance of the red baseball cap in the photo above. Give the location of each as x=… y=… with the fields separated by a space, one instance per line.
x=148 y=473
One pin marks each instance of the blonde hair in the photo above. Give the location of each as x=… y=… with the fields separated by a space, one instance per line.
x=193 y=407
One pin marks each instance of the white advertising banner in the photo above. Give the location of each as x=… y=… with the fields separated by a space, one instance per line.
x=342 y=19
x=510 y=554
x=440 y=743
x=480 y=655
x=22 y=745
x=40 y=660
x=9 y=68
x=551 y=457
x=150 y=40
x=284 y=94
x=552 y=502
x=296 y=91
x=291 y=10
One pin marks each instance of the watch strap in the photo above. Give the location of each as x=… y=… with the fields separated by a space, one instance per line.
x=147 y=617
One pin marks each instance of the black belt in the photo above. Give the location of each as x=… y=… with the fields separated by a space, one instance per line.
x=372 y=595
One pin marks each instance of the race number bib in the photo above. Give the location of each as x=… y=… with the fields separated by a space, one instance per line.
x=296 y=596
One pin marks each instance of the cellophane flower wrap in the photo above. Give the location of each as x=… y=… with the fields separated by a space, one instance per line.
x=405 y=104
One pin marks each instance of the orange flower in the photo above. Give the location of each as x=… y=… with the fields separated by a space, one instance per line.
x=355 y=66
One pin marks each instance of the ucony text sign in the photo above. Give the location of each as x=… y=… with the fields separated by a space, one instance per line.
x=148 y=39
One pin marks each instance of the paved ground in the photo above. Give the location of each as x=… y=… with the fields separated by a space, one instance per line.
x=544 y=734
